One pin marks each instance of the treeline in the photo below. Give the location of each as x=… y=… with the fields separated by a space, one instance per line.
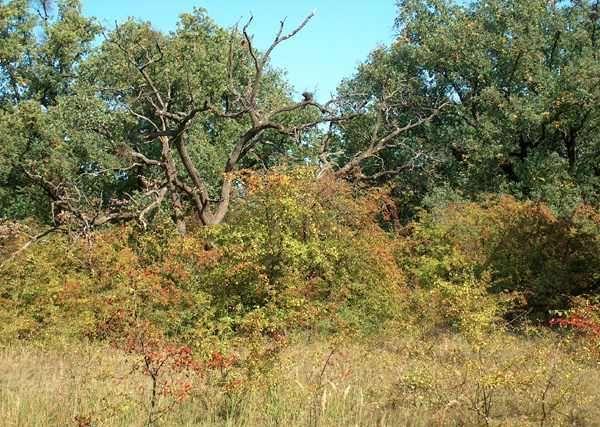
x=108 y=125
x=464 y=157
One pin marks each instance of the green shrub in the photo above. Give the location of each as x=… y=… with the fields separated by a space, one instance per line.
x=299 y=250
x=524 y=248
x=296 y=253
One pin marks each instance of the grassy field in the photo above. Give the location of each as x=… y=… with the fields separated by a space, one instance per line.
x=399 y=381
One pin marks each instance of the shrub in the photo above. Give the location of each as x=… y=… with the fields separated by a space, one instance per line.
x=523 y=246
x=464 y=306
x=296 y=253
x=584 y=319
x=298 y=250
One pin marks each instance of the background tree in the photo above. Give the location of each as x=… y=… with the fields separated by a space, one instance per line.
x=523 y=76
x=40 y=52
x=201 y=103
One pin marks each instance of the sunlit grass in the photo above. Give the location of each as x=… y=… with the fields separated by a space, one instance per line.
x=408 y=380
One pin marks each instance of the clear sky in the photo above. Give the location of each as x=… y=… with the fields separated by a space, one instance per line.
x=338 y=38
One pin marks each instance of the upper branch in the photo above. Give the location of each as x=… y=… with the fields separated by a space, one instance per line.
x=260 y=63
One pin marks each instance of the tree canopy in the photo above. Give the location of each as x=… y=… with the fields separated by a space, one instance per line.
x=523 y=78
x=110 y=125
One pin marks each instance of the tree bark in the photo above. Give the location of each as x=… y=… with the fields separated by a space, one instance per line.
x=171 y=176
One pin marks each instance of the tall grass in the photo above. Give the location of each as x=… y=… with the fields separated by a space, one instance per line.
x=391 y=381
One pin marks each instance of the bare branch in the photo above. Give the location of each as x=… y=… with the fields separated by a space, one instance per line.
x=259 y=64
x=160 y=196
x=379 y=144
x=146 y=160
x=143 y=118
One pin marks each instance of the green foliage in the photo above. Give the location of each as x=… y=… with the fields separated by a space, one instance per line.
x=40 y=56
x=524 y=78
x=306 y=248
x=297 y=253
x=521 y=247
x=40 y=50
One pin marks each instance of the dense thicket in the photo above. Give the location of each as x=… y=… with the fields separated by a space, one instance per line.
x=456 y=170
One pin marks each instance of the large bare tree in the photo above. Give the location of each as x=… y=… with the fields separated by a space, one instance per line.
x=147 y=76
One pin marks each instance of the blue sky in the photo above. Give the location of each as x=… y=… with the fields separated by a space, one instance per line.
x=338 y=38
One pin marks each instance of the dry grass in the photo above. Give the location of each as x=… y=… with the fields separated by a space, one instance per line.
x=444 y=380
